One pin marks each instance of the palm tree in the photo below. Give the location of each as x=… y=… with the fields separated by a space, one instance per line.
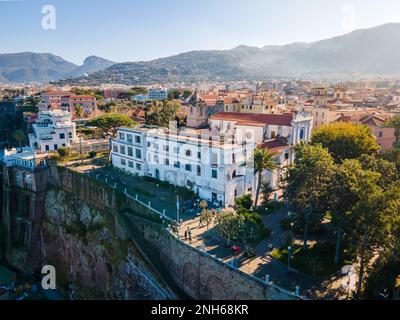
x=79 y=114
x=19 y=136
x=262 y=159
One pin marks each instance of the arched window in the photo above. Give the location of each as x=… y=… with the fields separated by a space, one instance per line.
x=302 y=134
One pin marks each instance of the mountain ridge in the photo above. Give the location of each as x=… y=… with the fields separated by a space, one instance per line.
x=43 y=67
x=362 y=53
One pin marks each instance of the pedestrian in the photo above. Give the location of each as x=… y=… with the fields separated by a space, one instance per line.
x=190 y=236
x=186 y=234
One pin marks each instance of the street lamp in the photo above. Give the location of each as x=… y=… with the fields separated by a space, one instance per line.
x=288 y=257
x=291 y=227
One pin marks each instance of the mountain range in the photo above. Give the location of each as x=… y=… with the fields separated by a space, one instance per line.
x=364 y=53
x=44 y=67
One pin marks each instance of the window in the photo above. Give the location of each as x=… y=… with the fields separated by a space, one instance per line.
x=130 y=164
x=177 y=164
x=233 y=158
x=148 y=144
x=188 y=167
x=62 y=136
x=199 y=155
x=380 y=134
x=138 y=166
x=176 y=150
x=122 y=149
x=156 y=159
x=214 y=160
x=166 y=161
x=188 y=153
x=214 y=174
x=166 y=148
x=198 y=170
x=122 y=136
x=129 y=138
x=130 y=152
x=70 y=135
x=138 y=139
x=115 y=148
x=138 y=154
x=55 y=147
x=123 y=162
x=155 y=146
x=301 y=134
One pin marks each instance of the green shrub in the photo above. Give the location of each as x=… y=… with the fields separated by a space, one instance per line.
x=64 y=152
x=243 y=203
x=92 y=154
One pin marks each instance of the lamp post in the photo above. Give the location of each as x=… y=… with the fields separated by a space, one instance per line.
x=288 y=257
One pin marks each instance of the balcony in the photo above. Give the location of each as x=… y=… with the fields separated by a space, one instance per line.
x=46 y=138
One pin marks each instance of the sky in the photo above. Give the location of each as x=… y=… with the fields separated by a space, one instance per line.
x=136 y=30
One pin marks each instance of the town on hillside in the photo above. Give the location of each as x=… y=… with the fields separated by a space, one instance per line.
x=199 y=158
x=271 y=177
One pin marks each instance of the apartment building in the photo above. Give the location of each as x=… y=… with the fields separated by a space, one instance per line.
x=322 y=115
x=87 y=102
x=158 y=94
x=52 y=130
x=209 y=167
x=67 y=101
x=51 y=100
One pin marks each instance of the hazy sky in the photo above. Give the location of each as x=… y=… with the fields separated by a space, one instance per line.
x=131 y=30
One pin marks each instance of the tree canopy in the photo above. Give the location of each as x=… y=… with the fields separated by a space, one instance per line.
x=346 y=140
x=109 y=123
x=162 y=115
x=308 y=180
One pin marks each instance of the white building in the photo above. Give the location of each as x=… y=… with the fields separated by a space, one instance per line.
x=158 y=94
x=25 y=158
x=212 y=169
x=52 y=130
x=210 y=161
x=278 y=133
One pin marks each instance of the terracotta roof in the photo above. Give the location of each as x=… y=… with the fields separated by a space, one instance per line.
x=83 y=96
x=231 y=100
x=255 y=118
x=139 y=113
x=273 y=145
x=372 y=120
x=57 y=93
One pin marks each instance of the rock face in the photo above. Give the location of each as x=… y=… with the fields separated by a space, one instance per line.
x=90 y=65
x=88 y=251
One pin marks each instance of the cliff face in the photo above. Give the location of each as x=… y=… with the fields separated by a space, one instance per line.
x=106 y=245
x=88 y=250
